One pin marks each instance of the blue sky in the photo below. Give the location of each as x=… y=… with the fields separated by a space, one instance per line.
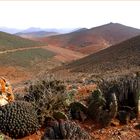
x=68 y=14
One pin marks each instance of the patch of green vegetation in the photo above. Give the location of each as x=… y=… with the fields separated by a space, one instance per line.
x=8 y=41
x=25 y=58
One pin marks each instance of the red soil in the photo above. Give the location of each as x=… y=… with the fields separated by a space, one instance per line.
x=94 y=39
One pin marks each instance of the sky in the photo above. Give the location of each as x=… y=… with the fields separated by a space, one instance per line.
x=68 y=14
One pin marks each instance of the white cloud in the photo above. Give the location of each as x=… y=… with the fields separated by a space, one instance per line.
x=59 y=14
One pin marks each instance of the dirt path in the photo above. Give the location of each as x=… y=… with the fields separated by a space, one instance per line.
x=19 y=49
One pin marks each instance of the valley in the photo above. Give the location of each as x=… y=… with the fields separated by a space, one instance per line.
x=90 y=77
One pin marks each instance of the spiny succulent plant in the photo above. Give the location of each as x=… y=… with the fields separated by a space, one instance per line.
x=60 y=115
x=48 y=96
x=65 y=130
x=110 y=113
x=126 y=89
x=78 y=111
x=43 y=88
x=18 y=119
x=113 y=106
x=96 y=105
x=98 y=109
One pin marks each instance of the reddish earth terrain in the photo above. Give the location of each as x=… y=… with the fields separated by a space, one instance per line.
x=66 y=54
x=115 y=131
x=120 y=58
x=118 y=132
x=124 y=56
x=18 y=74
x=14 y=74
x=63 y=54
x=93 y=40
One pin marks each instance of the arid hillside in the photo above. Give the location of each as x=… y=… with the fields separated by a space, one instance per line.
x=21 y=64
x=22 y=58
x=92 y=40
x=124 y=56
x=9 y=41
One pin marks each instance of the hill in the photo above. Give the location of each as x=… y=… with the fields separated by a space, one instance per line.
x=8 y=41
x=56 y=30
x=123 y=56
x=95 y=39
x=31 y=29
x=25 y=58
x=22 y=58
x=36 y=34
x=79 y=30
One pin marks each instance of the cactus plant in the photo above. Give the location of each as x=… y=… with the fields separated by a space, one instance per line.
x=113 y=106
x=65 y=130
x=98 y=109
x=106 y=115
x=78 y=111
x=126 y=89
x=96 y=105
x=18 y=119
x=48 y=96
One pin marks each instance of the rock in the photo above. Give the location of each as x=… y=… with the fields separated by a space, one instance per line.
x=137 y=126
x=3 y=100
x=124 y=117
x=123 y=133
x=1 y=137
x=82 y=116
x=115 y=123
x=131 y=110
x=4 y=137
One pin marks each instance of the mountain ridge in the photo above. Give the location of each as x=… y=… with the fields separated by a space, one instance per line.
x=36 y=34
x=95 y=39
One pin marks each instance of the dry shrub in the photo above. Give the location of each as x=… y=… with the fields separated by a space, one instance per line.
x=48 y=96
